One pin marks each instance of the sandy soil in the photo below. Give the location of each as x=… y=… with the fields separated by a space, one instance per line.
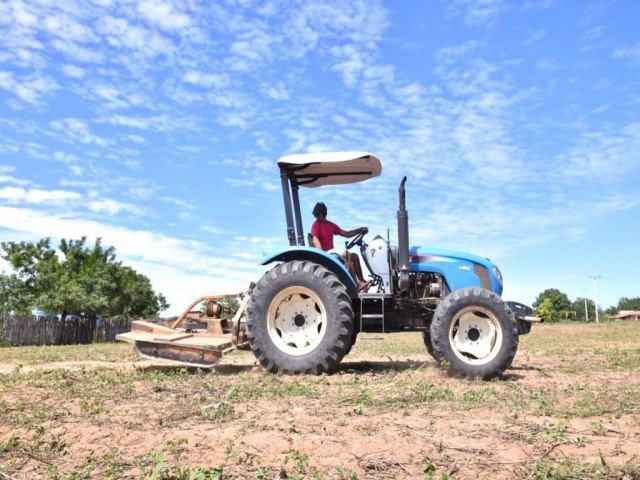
x=333 y=434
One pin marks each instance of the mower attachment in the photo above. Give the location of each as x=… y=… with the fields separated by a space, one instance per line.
x=194 y=340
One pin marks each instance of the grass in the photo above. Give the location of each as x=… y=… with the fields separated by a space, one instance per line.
x=573 y=389
x=99 y=352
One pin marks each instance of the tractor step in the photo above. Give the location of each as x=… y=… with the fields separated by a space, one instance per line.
x=377 y=298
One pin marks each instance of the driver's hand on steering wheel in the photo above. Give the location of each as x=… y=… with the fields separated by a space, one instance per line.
x=363 y=230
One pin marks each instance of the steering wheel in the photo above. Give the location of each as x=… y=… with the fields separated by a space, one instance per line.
x=357 y=240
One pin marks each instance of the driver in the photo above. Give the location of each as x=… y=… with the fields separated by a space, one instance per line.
x=323 y=231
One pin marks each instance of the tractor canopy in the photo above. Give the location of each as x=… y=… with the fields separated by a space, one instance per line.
x=316 y=170
x=330 y=168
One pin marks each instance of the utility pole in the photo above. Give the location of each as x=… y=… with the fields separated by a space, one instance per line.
x=586 y=310
x=595 y=294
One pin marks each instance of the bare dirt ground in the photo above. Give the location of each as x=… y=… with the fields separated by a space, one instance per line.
x=568 y=408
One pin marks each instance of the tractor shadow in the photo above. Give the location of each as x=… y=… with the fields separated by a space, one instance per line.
x=513 y=374
x=178 y=369
x=374 y=366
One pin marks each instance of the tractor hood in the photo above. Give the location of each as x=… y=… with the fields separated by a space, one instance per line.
x=460 y=269
x=331 y=168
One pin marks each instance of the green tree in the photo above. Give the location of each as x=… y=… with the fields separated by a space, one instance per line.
x=625 y=304
x=546 y=311
x=578 y=307
x=554 y=303
x=84 y=281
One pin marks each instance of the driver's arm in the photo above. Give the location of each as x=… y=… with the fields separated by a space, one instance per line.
x=353 y=233
x=316 y=242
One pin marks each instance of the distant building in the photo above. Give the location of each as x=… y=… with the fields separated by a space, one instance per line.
x=627 y=315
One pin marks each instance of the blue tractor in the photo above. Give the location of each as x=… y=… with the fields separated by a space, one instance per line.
x=305 y=313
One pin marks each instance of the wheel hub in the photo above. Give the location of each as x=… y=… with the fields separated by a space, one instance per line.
x=296 y=321
x=299 y=320
x=475 y=336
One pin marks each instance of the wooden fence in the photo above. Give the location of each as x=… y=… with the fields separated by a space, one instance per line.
x=52 y=331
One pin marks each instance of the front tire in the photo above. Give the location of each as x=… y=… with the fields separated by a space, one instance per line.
x=299 y=319
x=475 y=332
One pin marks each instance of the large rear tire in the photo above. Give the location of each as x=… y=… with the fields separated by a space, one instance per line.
x=299 y=319
x=475 y=332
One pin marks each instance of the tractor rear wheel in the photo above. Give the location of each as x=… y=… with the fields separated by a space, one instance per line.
x=299 y=319
x=475 y=333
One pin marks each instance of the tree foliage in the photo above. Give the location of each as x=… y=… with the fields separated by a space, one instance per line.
x=82 y=280
x=552 y=305
x=578 y=306
x=625 y=304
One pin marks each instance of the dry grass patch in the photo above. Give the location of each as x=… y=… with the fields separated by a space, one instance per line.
x=568 y=408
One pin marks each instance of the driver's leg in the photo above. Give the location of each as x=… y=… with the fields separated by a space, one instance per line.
x=356 y=268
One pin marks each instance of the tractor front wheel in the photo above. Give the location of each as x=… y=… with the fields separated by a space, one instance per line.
x=299 y=319
x=474 y=333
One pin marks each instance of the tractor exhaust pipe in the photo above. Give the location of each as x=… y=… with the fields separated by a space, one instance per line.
x=403 y=241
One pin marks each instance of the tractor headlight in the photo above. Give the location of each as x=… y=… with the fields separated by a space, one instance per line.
x=498 y=274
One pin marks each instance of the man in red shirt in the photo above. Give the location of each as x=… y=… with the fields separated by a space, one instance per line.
x=323 y=231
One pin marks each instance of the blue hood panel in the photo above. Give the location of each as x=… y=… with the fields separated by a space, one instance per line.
x=460 y=269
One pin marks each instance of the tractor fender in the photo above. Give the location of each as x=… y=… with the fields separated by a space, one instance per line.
x=327 y=260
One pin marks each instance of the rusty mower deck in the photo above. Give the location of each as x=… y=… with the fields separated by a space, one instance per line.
x=193 y=340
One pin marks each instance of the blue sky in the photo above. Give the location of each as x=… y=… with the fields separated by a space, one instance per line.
x=157 y=125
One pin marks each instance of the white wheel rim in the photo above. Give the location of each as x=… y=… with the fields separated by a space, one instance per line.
x=296 y=320
x=475 y=335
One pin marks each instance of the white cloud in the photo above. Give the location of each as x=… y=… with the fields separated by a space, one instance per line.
x=73 y=71
x=78 y=130
x=538 y=4
x=76 y=170
x=212 y=230
x=547 y=65
x=448 y=55
x=30 y=88
x=207 y=80
x=120 y=33
x=64 y=157
x=5 y=170
x=632 y=54
x=22 y=14
x=350 y=61
x=163 y=14
x=534 y=36
x=112 y=207
x=604 y=154
x=178 y=202
x=479 y=12
x=37 y=196
x=67 y=28
x=77 y=53
x=135 y=139
x=161 y=123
